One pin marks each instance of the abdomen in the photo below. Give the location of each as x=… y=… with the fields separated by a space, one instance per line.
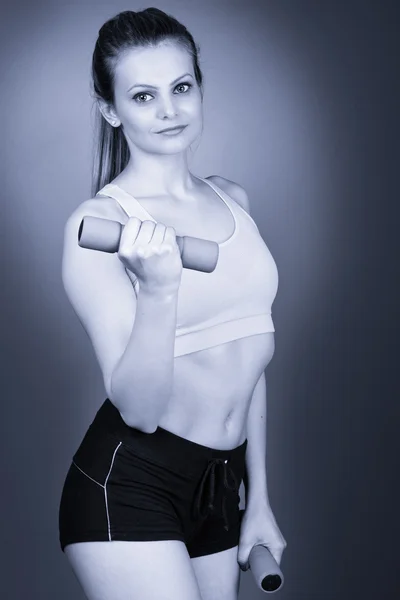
x=212 y=390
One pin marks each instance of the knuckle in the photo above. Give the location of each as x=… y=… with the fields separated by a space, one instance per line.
x=122 y=251
x=132 y=225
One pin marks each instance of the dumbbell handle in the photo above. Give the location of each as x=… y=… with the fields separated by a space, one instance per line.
x=103 y=234
x=265 y=569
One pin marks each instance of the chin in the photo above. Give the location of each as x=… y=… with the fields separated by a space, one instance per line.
x=173 y=149
x=173 y=144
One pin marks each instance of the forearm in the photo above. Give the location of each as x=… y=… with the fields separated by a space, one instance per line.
x=255 y=480
x=142 y=379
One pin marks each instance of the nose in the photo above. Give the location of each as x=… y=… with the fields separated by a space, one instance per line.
x=167 y=109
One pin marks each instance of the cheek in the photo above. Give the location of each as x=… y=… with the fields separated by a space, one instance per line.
x=138 y=120
x=194 y=108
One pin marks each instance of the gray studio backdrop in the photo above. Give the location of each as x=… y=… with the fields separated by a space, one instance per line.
x=299 y=101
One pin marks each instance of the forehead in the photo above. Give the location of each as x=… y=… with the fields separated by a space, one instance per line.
x=156 y=66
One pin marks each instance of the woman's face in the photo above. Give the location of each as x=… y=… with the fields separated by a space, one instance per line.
x=155 y=88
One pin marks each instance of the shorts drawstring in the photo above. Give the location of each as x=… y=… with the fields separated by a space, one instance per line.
x=210 y=470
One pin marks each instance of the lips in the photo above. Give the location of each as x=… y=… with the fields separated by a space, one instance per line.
x=172 y=128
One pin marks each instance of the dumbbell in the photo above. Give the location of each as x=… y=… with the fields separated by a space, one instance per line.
x=264 y=568
x=104 y=234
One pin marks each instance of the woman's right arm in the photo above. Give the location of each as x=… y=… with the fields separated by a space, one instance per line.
x=141 y=382
x=133 y=337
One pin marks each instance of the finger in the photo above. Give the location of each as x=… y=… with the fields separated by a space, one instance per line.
x=243 y=561
x=145 y=234
x=155 y=244
x=170 y=237
x=158 y=235
x=243 y=565
x=130 y=232
x=277 y=554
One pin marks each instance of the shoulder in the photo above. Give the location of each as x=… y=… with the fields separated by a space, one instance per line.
x=236 y=191
x=93 y=207
x=103 y=207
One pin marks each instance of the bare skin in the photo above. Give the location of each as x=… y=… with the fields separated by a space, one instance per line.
x=212 y=388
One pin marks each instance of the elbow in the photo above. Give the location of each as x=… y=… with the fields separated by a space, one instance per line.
x=146 y=422
x=130 y=418
x=144 y=427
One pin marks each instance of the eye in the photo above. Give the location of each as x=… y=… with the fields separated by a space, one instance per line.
x=139 y=95
x=144 y=94
x=189 y=85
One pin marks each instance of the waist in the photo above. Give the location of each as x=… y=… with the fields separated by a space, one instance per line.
x=184 y=452
x=212 y=390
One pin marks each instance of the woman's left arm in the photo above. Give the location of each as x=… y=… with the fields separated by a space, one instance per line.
x=258 y=525
x=255 y=480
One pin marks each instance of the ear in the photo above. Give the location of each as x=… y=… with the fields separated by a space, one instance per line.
x=108 y=112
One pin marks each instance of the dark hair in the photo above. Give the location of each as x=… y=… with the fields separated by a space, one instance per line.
x=127 y=30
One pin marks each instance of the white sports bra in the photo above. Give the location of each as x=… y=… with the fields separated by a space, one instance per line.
x=232 y=302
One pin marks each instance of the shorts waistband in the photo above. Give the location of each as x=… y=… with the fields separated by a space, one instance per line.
x=182 y=451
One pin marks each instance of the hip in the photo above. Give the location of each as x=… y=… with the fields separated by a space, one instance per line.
x=127 y=484
x=130 y=463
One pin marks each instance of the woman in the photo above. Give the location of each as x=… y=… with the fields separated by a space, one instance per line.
x=182 y=352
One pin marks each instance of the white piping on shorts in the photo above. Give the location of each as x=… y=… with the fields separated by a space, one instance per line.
x=104 y=487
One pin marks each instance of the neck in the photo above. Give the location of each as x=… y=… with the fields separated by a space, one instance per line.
x=159 y=175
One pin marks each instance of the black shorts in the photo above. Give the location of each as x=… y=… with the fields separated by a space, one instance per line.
x=124 y=484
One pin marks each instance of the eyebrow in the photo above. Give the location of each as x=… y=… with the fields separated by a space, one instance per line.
x=146 y=85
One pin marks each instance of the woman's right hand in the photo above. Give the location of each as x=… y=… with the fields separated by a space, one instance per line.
x=151 y=252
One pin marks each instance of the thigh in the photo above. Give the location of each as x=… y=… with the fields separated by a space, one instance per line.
x=218 y=575
x=134 y=570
